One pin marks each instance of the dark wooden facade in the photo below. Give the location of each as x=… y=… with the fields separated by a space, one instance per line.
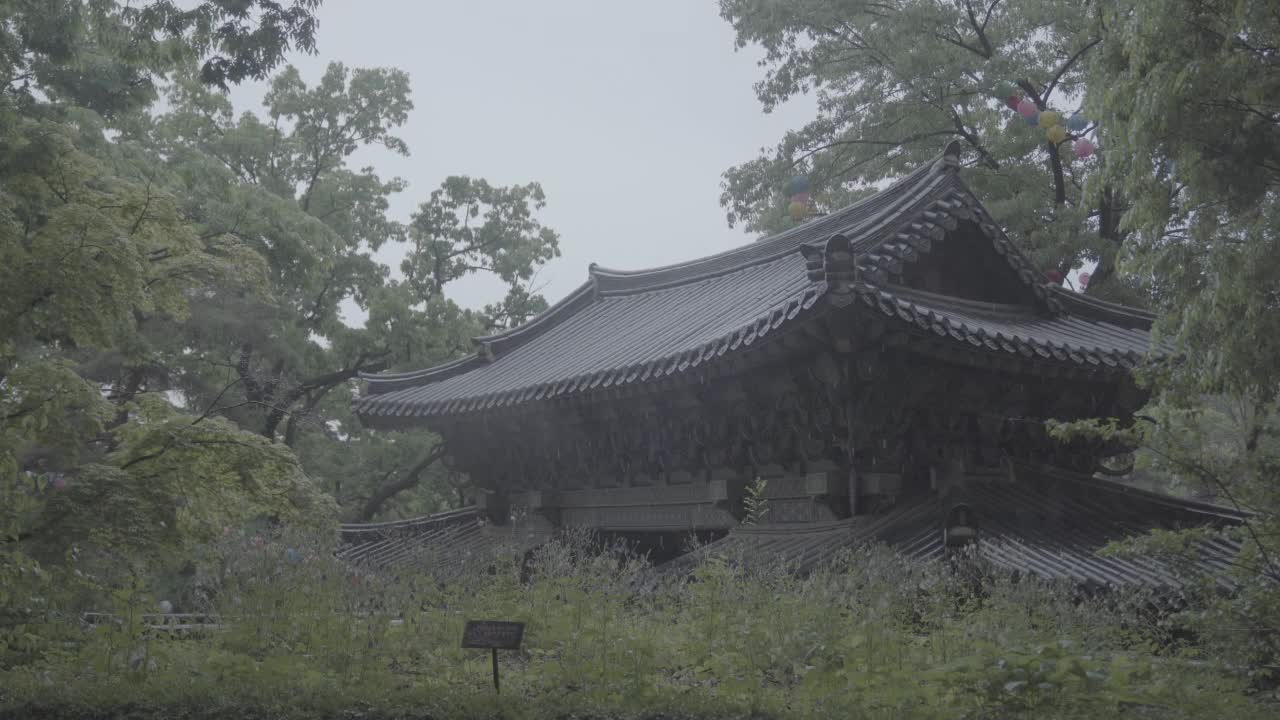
x=899 y=351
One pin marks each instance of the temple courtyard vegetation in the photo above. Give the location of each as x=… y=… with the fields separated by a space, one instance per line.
x=176 y=374
x=607 y=636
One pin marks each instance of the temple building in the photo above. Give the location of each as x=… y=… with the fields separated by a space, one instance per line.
x=879 y=373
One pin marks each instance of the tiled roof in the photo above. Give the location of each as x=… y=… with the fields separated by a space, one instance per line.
x=623 y=328
x=444 y=544
x=1079 y=338
x=1048 y=524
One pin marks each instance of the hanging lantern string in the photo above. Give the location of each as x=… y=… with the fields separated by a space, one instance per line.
x=798 y=189
x=1021 y=98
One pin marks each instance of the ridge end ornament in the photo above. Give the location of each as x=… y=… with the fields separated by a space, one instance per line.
x=840 y=270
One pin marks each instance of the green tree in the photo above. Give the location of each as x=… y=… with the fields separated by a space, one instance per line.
x=1189 y=100
x=1179 y=209
x=281 y=359
x=895 y=81
x=93 y=463
x=91 y=250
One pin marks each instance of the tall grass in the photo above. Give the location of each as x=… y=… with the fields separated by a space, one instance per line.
x=870 y=636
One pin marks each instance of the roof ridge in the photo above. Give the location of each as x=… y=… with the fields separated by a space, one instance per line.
x=995 y=308
x=789 y=241
x=1114 y=311
x=917 y=191
x=1115 y=486
x=386 y=382
x=599 y=277
x=584 y=290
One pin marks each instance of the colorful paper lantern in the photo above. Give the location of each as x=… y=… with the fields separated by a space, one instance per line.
x=1012 y=101
x=59 y=483
x=292 y=556
x=1004 y=89
x=1027 y=109
x=1049 y=118
x=1033 y=120
x=1056 y=134
x=1084 y=147
x=1053 y=276
x=802 y=197
x=1083 y=280
x=798 y=210
x=166 y=607
x=798 y=184
x=1077 y=122
x=258 y=541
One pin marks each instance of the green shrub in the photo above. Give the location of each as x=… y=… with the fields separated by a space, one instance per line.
x=869 y=636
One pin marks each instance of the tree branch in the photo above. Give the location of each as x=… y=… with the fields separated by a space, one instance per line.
x=363 y=363
x=1062 y=69
x=410 y=479
x=1055 y=162
x=252 y=389
x=213 y=406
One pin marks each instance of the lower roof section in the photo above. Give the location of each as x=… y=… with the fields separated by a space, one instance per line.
x=445 y=544
x=1048 y=524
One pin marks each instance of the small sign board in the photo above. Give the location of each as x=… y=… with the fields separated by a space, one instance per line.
x=496 y=634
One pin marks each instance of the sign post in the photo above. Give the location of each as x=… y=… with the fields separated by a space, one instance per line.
x=493 y=635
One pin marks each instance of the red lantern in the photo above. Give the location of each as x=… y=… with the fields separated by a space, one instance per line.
x=1012 y=102
x=1054 y=277
x=1083 y=279
x=1084 y=147
x=1027 y=109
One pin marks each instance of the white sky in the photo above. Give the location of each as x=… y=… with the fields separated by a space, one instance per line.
x=627 y=113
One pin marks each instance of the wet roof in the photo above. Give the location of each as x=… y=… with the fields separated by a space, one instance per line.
x=624 y=328
x=443 y=544
x=1050 y=524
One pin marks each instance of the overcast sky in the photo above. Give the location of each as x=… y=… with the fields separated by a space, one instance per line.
x=626 y=112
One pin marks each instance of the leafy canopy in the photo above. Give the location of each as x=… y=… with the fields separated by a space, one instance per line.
x=896 y=81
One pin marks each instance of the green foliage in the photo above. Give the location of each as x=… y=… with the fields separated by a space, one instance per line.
x=92 y=249
x=103 y=480
x=281 y=359
x=238 y=39
x=896 y=81
x=1192 y=131
x=1187 y=100
x=755 y=503
x=208 y=257
x=109 y=57
x=868 y=637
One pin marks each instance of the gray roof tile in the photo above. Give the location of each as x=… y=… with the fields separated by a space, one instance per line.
x=1049 y=523
x=623 y=328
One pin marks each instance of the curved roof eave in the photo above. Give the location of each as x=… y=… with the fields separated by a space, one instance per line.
x=604 y=281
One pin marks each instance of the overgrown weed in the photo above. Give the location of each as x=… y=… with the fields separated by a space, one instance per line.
x=300 y=634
